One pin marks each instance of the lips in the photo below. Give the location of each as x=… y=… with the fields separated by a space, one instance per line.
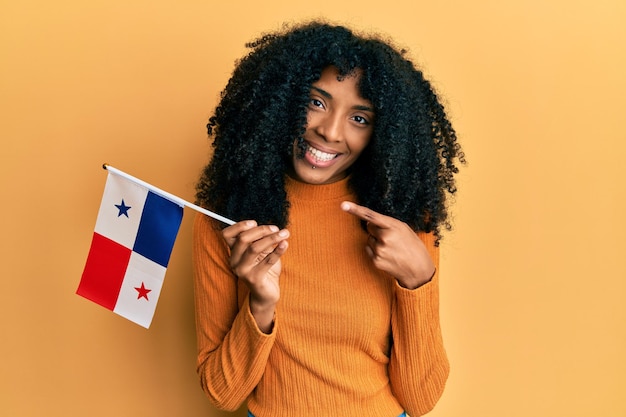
x=320 y=156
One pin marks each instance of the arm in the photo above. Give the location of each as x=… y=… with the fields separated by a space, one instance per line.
x=418 y=368
x=232 y=350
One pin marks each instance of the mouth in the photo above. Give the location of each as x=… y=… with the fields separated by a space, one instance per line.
x=320 y=156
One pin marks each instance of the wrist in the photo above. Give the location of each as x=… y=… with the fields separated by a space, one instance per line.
x=418 y=282
x=263 y=314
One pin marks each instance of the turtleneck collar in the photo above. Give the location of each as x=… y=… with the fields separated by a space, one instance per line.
x=297 y=190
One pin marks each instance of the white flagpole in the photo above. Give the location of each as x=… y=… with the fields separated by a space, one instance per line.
x=167 y=195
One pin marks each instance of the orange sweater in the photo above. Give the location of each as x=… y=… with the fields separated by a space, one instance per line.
x=347 y=339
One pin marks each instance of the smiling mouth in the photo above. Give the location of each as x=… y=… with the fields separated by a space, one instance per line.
x=318 y=156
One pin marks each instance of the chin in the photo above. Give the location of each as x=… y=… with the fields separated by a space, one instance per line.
x=310 y=177
x=317 y=176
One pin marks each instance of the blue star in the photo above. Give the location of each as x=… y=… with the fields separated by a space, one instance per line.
x=123 y=208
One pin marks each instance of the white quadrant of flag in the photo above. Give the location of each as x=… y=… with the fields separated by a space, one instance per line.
x=120 y=210
x=140 y=290
x=130 y=250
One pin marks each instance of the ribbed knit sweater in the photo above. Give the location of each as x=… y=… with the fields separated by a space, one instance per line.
x=347 y=339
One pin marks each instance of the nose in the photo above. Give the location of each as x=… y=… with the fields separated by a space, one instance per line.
x=331 y=128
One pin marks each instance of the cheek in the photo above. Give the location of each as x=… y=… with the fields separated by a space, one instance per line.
x=312 y=119
x=361 y=141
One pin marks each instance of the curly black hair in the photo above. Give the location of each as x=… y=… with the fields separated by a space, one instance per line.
x=405 y=172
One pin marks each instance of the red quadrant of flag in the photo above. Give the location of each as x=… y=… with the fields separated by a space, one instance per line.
x=105 y=267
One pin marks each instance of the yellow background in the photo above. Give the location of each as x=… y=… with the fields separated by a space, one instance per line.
x=533 y=277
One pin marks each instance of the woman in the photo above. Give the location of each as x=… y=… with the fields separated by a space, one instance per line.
x=336 y=156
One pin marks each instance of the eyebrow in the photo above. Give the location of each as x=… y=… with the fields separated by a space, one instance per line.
x=329 y=96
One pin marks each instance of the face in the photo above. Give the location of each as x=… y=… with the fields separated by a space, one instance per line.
x=339 y=126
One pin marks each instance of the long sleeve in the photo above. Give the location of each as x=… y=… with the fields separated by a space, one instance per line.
x=418 y=366
x=232 y=351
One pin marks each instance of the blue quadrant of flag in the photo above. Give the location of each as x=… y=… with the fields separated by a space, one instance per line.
x=158 y=228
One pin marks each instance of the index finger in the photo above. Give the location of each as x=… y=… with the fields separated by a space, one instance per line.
x=365 y=213
x=231 y=232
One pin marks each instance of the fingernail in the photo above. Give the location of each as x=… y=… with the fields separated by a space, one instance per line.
x=345 y=206
x=274 y=228
x=283 y=233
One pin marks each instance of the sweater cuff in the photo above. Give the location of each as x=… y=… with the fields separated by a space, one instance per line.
x=424 y=298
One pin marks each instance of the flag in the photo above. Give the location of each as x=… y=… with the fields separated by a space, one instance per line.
x=130 y=249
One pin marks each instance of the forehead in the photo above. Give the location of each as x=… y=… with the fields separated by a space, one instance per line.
x=334 y=85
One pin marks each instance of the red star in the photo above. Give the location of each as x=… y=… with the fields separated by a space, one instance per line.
x=142 y=292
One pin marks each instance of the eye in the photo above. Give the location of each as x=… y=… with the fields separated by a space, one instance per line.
x=316 y=103
x=361 y=120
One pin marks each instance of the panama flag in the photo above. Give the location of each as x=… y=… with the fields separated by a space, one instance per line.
x=131 y=246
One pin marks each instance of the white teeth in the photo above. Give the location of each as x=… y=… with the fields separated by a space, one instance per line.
x=321 y=156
